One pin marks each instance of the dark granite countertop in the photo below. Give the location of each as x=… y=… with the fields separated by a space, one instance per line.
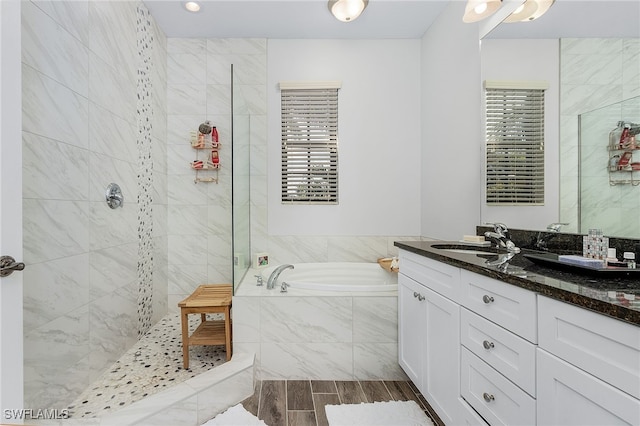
x=616 y=295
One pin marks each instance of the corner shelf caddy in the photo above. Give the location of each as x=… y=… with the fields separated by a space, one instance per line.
x=208 y=142
x=622 y=171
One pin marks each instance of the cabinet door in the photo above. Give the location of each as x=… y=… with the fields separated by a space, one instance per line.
x=569 y=396
x=602 y=346
x=441 y=361
x=411 y=324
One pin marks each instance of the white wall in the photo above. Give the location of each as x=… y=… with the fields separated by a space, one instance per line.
x=451 y=135
x=379 y=135
x=524 y=59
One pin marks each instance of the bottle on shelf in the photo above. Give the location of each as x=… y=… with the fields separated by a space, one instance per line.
x=625 y=136
x=214 y=137
x=615 y=135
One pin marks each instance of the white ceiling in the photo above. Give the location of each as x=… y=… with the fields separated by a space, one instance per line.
x=382 y=19
x=294 y=19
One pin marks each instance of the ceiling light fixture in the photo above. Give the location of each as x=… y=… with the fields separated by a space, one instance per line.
x=477 y=10
x=347 y=10
x=530 y=10
x=192 y=6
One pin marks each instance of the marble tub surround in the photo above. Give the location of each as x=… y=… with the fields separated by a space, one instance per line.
x=317 y=336
x=606 y=295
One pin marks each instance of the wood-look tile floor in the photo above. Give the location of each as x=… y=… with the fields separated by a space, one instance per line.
x=301 y=402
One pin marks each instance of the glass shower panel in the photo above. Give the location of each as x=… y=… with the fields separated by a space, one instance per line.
x=609 y=193
x=241 y=131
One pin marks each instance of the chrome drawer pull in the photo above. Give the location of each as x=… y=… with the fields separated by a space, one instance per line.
x=415 y=294
x=488 y=397
x=487 y=299
x=487 y=344
x=420 y=297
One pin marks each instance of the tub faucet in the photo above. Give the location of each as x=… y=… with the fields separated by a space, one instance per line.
x=275 y=274
x=502 y=237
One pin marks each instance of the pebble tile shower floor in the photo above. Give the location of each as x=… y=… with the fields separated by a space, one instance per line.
x=152 y=365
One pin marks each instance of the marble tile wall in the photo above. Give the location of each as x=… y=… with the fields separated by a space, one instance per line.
x=80 y=65
x=199 y=215
x=594 y=73
x=324 y=338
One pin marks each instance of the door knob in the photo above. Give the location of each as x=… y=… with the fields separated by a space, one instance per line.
x=8 y=264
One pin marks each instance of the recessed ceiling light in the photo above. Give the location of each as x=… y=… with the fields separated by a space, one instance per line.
x=192 y=6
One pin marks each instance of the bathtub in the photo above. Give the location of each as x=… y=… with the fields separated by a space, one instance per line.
x=337 y=321
x=335 y=277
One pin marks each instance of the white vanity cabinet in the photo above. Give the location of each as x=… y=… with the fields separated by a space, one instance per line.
x=429 y=340
x=485 y=351
x=588 y=367
x=498 y=326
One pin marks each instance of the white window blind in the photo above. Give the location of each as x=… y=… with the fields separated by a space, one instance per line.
x=515 y=143
x=309 y=143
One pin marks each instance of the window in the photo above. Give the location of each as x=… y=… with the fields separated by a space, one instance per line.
x=515 y=142
x=309 y=114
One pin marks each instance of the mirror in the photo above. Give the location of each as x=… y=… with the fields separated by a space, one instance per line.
x=599 y=66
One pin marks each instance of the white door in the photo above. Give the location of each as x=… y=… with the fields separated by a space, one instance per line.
x=11 y=375
x=410 y=328
x=441 y=356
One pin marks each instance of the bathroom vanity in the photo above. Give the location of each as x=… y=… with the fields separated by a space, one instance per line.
x=526 y=344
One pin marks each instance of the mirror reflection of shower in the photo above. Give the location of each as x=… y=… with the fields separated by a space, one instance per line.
x=608 y=189
x=240 y=136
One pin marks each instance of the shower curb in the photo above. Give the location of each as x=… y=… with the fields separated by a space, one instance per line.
x=194 y=401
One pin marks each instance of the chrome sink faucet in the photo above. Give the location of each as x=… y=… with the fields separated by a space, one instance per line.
x=553 y=230
x=271 y=282
x=502 y=237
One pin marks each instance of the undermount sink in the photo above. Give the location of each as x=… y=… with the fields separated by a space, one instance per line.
x=468 y=251
x=458 y=248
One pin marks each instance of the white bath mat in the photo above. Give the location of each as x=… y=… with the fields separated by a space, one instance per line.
x=392 y=413
x=235 y=416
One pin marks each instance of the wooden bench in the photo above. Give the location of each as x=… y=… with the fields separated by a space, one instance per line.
x=207 y=299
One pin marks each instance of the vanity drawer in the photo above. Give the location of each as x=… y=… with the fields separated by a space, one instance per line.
x=507 y=305
x=602 y=346
x=511 y=355
x=495 y=398
x=439 y=277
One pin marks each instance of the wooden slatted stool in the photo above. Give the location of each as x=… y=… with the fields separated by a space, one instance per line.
x=207 y=299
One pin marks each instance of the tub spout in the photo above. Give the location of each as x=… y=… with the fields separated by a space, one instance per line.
x=275 y=274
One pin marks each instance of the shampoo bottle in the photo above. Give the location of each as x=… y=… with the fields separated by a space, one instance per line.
x=615 y=136
x=624 y=136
